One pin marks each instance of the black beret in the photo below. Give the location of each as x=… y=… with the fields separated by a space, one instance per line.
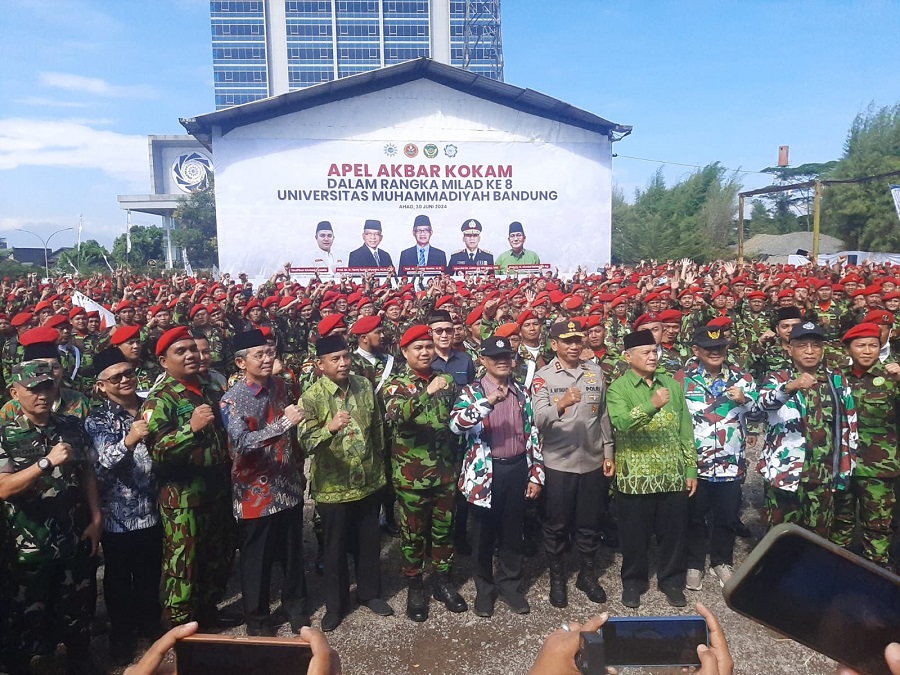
x=330 y=344
x=639 y=338
x=249 y=339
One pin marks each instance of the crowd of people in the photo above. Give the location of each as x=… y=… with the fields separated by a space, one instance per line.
x=493 y=414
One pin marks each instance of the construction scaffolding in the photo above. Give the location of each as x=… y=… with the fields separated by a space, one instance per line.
x=481 y=32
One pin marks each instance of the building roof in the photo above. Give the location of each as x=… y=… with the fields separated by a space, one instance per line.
x=524 y=100
x=29 y=255
x=762 y=245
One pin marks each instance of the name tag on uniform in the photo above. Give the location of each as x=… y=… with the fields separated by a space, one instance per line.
x=184 y=408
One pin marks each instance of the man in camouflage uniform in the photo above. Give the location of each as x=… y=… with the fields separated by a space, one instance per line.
x=13 y=351
x=771 y=353
x=803 y=463
x=425 y=468
x=50 y=507
x=293 y=332
x=872 y=485
x=220 y=351
x=188 y=446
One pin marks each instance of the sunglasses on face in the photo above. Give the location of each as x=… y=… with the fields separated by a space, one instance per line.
x=118 y=377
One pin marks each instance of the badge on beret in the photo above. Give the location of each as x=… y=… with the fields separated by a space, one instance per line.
x=878 y=381
x=714 y=334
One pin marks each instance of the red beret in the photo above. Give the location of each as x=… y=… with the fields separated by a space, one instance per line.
x=524 y=316
x=125 y=304
x=365 y=324
x=363 y=302
x=170 y=337
x=93 y=315
x=645 y=318
x=651 y=297
x=417 y=332
x=862 y=330
x=720 y=322
x=21 y=319
x=268 y=302
x=305 y=302
x=618 y=301
x=123 y=334
x=329 y=323
x=75 y=311
x=474 y=315
x=325 y=304
x=250 y=305
x=41 y=306
x=266 y=331
x=893 y=295
x=507 y=329
x=882 y=317
x=872 y=290
x=38 y=336
x=593 y=321
x=670 y=316
x=393 y=302
x=443 y=300
x=556 y=297
x=786 y=293
x=575 y=302
x=285 y=301
x=56 y=320
x=756 y=294
x=196 y=308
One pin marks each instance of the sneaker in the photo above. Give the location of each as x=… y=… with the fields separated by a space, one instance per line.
x=723 y=573
x=694 y=580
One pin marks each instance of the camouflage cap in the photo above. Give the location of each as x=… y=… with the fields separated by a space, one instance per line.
x=32 y=373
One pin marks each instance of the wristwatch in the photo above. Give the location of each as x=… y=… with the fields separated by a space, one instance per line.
x=45 y=465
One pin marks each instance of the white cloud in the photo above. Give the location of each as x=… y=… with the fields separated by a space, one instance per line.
x=74 y=144
x=96 y=86
x=44 y=102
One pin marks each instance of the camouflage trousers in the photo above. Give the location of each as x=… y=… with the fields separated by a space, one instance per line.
x=812 y=509
x=875 y=498
x=47 y=603
x=198 y=550
x=426 y=520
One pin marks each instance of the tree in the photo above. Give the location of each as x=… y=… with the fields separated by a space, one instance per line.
x=863 y=214
x=87 y=261
x=792 y=211
x=195 y=217
x=694 y=218
x=147 y=243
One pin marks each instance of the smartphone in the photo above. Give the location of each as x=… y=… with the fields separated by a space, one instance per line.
x=239 y=655
x=820 y=595
x=647 y=641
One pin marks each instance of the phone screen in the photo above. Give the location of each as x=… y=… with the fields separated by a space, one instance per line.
x=822 y=598
x=657 y=641
x=239 y=656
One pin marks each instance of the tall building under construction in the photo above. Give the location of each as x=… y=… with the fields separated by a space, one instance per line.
x=267 y=47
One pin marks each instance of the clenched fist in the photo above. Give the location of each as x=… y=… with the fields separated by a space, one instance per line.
x=138 y=432
x=201 y=418
x=660 y=397
x=804 y=382
x=436 y=385
x=294 y=415
x=339 y=421
x=60 y=454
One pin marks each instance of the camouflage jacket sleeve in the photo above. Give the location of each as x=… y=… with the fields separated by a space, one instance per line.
x=404 y=401
x=171 y=439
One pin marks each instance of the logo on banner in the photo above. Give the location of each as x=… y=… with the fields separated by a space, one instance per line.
x=430 y=151
x=390 y=150
x=450 y=150
x=410 y=150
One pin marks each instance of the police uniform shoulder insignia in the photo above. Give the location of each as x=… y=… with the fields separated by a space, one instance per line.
x=462 y=250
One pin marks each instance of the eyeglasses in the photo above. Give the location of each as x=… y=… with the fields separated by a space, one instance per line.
x=441 y=331
x=263 y=355
x=118 y=377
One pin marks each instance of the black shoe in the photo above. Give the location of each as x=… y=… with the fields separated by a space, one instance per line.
x=330 y=621
x=517 y=603
x=416 y=602
x=446 y=592
x=559 y=596
x=675 y=596
x=587 y=581
x=379 y=607
x=742 y=530
x=631 y=597
x=484 y=604
x=261 y=630
x=298 y=621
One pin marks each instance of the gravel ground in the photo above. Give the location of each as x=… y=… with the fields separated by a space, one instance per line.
x=506 y=644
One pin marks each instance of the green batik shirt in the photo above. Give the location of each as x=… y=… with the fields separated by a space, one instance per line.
x=347 y=465
x=508 y=258
x=654 y=448
x=45 y=522
x=192 y=468
x=424 y=452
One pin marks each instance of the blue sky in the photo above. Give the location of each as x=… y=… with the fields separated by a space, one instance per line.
x=84 y=83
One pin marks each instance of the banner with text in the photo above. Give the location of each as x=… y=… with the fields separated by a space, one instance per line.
x=272 y=192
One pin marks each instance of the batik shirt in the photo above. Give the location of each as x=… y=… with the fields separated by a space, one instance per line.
x=720 y=432
x=471 y=417
x=800 y=446
x=127 y=485
x=265 y=475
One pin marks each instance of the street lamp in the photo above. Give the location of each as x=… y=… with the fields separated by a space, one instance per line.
x=46 y=242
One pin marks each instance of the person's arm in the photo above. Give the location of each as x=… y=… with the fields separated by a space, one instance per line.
x=314 y=432
x=685 y=431
x=239 y=433
x=469 y=411
x=606 y=433
x=94 y=530
x=623 y=414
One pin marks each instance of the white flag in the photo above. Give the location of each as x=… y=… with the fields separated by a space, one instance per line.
x=128 y=233
x=187 y=264
x=106 y=260
x=107 y=318
x=895 y=192
x=216 y=275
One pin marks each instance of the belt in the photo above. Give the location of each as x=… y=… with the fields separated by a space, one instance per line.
x=508 y=460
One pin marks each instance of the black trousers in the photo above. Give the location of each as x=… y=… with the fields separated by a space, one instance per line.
x=663 y=514
x=264 y=541
x=716 y=504
x=501 y=524
x=573 y=504
x=351 y=526
x=132 y=569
